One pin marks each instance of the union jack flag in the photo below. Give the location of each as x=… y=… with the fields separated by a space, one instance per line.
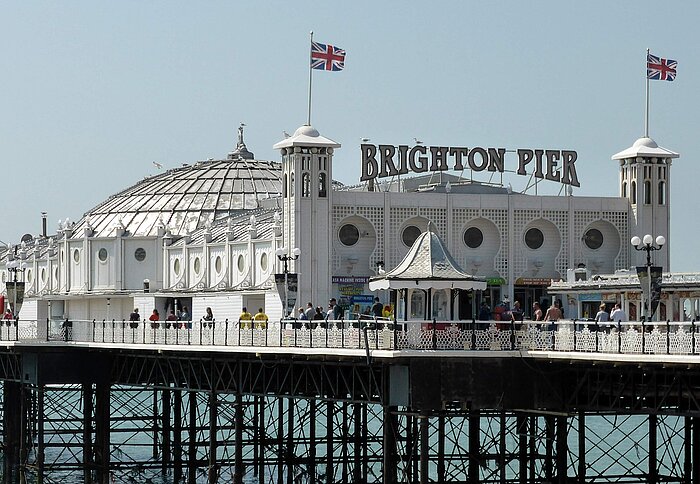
x=661 y=69
x=327 y=57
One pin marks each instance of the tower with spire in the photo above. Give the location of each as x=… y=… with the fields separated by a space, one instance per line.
x=307 y=174
x=645 y=176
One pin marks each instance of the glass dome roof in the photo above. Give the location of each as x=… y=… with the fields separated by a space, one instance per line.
x=186 y=198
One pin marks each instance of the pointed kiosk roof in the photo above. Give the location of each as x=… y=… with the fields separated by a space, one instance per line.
x=428 y=265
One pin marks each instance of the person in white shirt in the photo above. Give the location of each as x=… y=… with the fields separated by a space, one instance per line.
x=618 y=314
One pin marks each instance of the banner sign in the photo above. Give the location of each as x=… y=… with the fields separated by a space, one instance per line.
x=650 y=280
x=349 y=279
x=287 y=288
x=388 y=160
x=590 y=297
x=15 y=296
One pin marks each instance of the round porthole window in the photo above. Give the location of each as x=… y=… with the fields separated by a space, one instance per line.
x=473 y=237
x=410 y=234
x=140 y=254
x=29 y=276
x=197 y=265
x=102 y=254
x=218 y=264
x=43 y=275
x=55 y=273
x=241 y=263
x=348 y=235
x=534 y=238
x=176 y=267
x=593 y=239
x=263 y=261
x=76 y=256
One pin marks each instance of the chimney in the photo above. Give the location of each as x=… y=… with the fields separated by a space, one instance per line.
x=43 y=225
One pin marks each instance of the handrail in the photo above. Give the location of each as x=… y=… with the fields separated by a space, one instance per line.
x=582 y=336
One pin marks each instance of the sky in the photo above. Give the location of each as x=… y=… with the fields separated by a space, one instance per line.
x=93 y=93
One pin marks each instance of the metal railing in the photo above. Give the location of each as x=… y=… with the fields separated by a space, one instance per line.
x=669 y=338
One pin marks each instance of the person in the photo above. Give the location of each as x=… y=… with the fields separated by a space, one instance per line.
x=185 y=314
x=318 y=314
x=244 y=320
x=388 y=312
x=208 y=318
x=153 y=318
x=134 y=318
x=377 y=308
x=536 y=311
x=302 y=315
x=260 y=319
x=484 y=312
x=516 y=314
x=171 y=319
x=602 y=315
x=618 y=314
x=553 y=313
x=335 y=312
x=310 y=311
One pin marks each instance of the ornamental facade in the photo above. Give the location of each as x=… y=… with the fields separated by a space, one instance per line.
x=207 y=234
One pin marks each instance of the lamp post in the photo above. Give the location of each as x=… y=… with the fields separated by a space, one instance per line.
x=284 y=256
x=647 y=244
x=14 y=266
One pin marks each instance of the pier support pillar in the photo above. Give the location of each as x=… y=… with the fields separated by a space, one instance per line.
x=521 y=425
x=192 y=439
x=102 y=432
x=40 y=435
x=330 y=408
x=389 y=440
x=12 y=423
x=88 y=451
x=166 y=427
x=238 y=471
x=696 y=448
x=474 y=446
x=562 y=449
x=653 y=465
x=424 y=448
x=582 y=448
x=213 y=473
x=177 y=436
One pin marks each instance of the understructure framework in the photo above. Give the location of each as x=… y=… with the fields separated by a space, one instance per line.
x=100 y=415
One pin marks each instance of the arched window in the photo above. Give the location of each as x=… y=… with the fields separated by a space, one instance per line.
x=322 y=185
x=647 y=192
x=291 y=185
x=284 y=186
x=662 y=193
x=306 y=185
x=624 y=190
x=633 y=192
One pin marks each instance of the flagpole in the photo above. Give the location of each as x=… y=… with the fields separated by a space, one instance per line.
x=646 y=113
x=308 y=119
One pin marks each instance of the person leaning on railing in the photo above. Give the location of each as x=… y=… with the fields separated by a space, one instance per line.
x=260 y=319
x=244 y=319
x=134 y=318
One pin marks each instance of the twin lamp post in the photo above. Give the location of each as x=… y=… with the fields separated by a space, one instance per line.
x=647 y=244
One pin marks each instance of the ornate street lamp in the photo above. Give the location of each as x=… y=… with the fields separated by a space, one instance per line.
x=647 y=244
x=284 y=256
x=15 y=290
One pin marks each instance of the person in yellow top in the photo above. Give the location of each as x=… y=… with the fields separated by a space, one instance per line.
x=244 y=319
x=260 y=319
x=388 y=312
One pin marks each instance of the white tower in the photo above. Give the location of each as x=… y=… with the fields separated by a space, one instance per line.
x=307 y=174
x=645 y=177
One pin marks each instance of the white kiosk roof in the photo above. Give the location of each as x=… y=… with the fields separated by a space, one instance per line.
x=427 y=265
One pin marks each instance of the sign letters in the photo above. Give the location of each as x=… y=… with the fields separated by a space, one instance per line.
x=387 y=160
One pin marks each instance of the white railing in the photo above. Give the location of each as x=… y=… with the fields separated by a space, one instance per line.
x=675 y=338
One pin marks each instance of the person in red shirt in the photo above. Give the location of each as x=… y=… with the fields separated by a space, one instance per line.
x=153 y=318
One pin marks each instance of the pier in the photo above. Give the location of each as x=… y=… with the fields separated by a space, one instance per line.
x=101 y=402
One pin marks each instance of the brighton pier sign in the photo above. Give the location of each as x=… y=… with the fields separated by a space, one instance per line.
x=388 y=160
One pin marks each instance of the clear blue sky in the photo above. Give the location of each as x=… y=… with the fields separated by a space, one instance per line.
x=94 y=92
